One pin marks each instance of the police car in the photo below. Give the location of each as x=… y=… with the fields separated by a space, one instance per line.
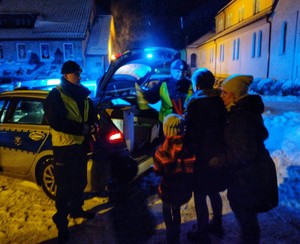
x=129 y=128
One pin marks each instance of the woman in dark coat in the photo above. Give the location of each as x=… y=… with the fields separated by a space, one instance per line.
x=252 y=186
x=205 y=122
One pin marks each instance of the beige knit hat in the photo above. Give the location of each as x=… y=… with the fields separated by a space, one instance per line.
x=237 y=84
x=173 y=125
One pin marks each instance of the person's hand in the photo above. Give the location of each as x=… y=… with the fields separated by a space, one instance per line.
x=90 y=129
x=94 y=128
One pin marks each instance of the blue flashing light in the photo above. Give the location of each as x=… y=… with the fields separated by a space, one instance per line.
x=52 y=82
x=149 y=55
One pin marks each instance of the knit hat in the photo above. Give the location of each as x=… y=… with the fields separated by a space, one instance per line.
x=179 y=64
x=173 y=125
x=70 y=67
x=203 y=78
x=237 y=84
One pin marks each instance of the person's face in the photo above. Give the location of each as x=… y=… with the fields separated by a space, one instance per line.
x=73 y=77
x=178 y=74
x=227 y=97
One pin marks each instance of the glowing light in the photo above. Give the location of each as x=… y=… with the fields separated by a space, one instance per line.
x=116 y=136
x=149 y=55
x=115 y=56
x=52 y=82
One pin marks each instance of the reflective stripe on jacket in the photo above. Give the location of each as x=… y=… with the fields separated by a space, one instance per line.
x=63 y=139
x=166 y=103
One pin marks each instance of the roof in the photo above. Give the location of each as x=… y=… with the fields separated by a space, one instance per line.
x=100 y=33
x=56 y=19
x=212 y=35
x=202 y=39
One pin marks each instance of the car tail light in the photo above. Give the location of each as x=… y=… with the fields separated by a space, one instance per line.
x=115 y=137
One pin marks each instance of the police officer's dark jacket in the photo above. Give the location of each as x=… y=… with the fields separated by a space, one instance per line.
x=67 y=108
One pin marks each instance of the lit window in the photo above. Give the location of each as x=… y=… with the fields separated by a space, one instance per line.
x=212 y=55
x=241 y=13
x=229 y=19
x=236 y=49
x=222 y=53
x=258 y=6
x=221 y=25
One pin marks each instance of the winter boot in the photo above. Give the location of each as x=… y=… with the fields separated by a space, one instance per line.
x=215 y=227
x=62 y=227
x=82 y=214
x=196 y=236
x=63 y=236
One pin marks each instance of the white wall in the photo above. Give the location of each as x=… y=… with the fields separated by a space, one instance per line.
x=271 y=63
x=286 y=65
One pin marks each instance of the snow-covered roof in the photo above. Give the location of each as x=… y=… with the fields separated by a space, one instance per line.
x=98 y=41
x=56 y=19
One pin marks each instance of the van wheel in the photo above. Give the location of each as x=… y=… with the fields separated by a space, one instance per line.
x=46 y=178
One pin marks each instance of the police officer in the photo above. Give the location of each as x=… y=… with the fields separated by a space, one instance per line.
x=71 y=115
x=173 y=92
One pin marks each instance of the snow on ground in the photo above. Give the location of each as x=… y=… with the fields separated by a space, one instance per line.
x=134 y=215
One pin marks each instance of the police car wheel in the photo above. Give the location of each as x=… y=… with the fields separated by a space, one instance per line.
x=46 y=178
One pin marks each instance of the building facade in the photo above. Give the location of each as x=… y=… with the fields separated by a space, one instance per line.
x=258 y=37
x=36 y=37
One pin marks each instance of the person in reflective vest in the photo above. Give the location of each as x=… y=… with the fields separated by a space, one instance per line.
x=71 y=116
x=172 y=92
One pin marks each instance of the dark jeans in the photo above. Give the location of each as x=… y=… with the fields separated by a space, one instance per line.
x=172 y=220
x=249 y=227
x=70 y=171
x=202 y=209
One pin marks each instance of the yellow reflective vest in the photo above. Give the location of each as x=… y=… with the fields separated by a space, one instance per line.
x=166 y=103
x=63 y=139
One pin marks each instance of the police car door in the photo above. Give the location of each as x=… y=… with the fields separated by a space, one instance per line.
x=23 y=135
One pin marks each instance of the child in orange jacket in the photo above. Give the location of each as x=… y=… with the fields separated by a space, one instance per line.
x=175 y=166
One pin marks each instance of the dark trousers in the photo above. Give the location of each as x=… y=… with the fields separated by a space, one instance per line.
x=249 y=227
x=202 y=209
x=70 y=172
x=172 y=219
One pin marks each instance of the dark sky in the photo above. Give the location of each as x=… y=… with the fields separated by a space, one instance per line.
x=172 y=23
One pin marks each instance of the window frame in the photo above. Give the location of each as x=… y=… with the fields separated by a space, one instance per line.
x=21 y=46
x=68 y=51
x=44 y=46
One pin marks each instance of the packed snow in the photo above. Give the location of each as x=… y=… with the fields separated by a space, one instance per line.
x=134 y=215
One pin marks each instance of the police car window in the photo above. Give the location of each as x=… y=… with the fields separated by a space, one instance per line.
x=3 y=109
x=28 y=112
